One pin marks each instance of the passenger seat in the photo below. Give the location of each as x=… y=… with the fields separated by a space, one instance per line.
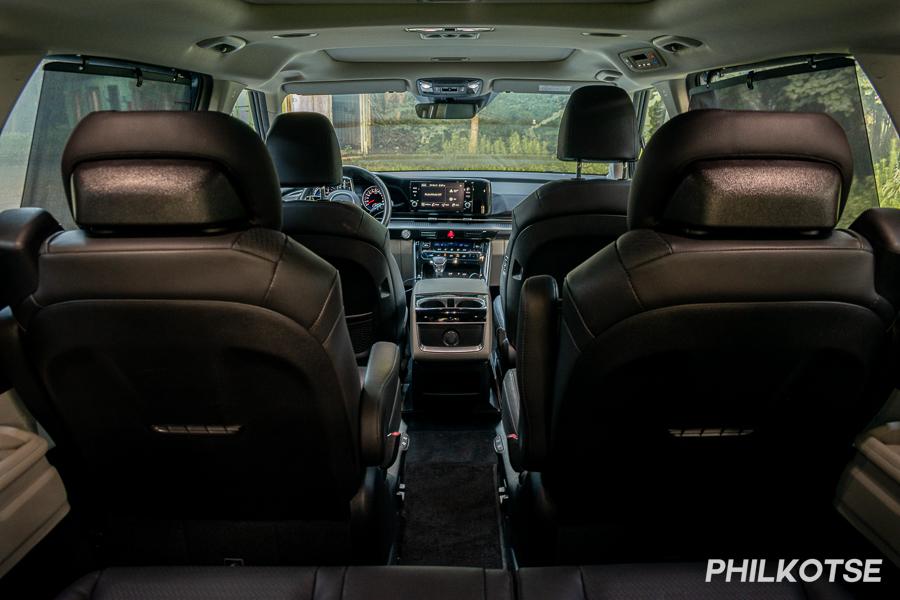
x=564 y=222
x=715 y=363
x=191 y=361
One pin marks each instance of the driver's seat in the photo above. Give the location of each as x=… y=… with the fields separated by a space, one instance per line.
x=306 y=154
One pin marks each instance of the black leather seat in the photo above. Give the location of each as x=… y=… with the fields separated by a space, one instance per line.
x=190 y=360
x=293 y=583
x=344 y=234
x=715 y=362
x=606 y=582
x=564 y=222
x=667 y=580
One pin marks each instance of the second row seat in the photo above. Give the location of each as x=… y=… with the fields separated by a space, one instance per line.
x=714 y=363
x=191 y=361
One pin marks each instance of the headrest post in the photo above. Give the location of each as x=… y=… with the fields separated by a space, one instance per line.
x=578 y=169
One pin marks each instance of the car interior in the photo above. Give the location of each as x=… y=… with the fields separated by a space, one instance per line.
x=488 y=299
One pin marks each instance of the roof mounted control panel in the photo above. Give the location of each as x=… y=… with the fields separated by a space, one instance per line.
x=643 y=59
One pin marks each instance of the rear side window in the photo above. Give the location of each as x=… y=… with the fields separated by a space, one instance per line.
x=243 y=110
x=833 y=86
x=55 y=99
x=655 y=114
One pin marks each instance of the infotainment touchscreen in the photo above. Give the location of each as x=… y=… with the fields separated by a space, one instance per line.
x=450 y=198
x=439 y=195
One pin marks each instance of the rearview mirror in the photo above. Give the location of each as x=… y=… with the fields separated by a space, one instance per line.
x=456 y=110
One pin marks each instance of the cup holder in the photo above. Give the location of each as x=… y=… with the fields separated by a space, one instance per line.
x=438 y=302
x=470 y=303
x=431 y=303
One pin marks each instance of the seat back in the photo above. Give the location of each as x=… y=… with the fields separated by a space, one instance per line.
x=344 y=234
x=716 y=361
x=194 y=362
x=564 y=222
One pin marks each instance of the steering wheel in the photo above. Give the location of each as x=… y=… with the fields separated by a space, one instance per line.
x=346 y=195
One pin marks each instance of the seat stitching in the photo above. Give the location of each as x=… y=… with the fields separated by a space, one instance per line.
x=584 y=324
x=327 y=300
x=315 y=582
x=275 y=272
x=583 y=586
x=628 y=278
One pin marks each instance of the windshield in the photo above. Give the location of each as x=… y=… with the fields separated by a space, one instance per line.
x=381 y=132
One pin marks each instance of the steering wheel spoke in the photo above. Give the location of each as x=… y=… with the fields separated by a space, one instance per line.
x=374 y=191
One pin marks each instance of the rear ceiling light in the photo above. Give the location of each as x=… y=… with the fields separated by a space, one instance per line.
x=608 y=75
x=449 y=59
x=296 y=34
x=676 y=43
x=605 y=34
x=225 y=44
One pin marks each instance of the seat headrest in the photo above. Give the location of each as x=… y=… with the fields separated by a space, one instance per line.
x=733 y=170
x=164 y=170
x=305 y=150
x=598 y=125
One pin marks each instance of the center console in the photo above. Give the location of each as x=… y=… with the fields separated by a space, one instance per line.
x=451 y=336
x=451 y=257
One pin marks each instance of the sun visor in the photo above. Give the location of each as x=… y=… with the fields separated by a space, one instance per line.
x=356 y=86
x=538 y=86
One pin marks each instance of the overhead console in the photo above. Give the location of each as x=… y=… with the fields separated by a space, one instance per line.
x=450 y=198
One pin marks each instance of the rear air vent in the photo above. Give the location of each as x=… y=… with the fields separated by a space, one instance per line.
x=604 y=34
x=449 y=59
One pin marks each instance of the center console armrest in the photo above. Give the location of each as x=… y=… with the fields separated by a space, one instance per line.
x=379 y=411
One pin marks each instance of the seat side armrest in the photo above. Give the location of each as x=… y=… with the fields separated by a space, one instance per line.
x=379 y=412
x=22 y=231
x=538 y=333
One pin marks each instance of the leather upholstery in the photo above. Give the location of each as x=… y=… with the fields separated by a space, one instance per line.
x=292 y=583
x=21 y=234
x=754 y=152
x=359 y=247
x=703 y=363
x=154 y=171
x=881 y=227
x=525 y=400
x=598 y=124
x=380 y=408
x=556 y=228
x=665 y=580
x=305 y=150
x=602 y=582
x=204 y=377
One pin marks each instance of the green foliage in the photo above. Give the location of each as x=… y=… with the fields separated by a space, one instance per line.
x=515 y=132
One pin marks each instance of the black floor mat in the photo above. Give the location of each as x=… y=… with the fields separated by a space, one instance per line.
x=451 y=515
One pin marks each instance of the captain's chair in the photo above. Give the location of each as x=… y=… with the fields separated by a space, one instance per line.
x=305 y=150
x=716 y=361
x=190 y=360
x=564 y=222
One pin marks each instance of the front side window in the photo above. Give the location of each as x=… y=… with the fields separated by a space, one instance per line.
x=381 y=132
x=833 y=86
x=55 y=99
